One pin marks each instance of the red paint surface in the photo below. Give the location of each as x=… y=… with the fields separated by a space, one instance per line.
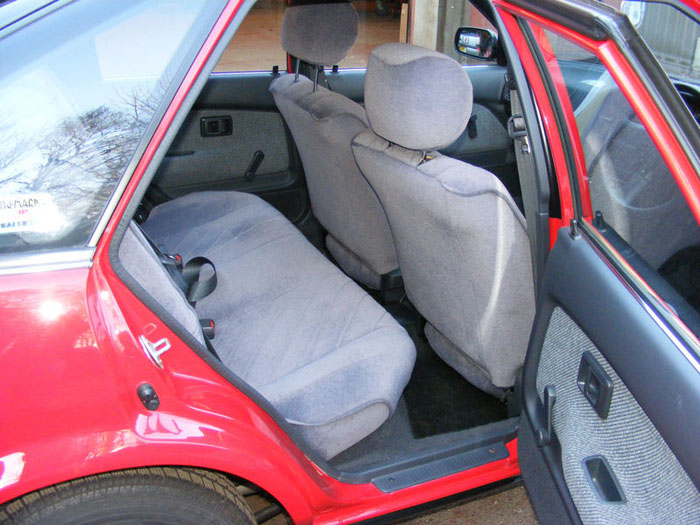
x=546 y=113
x=632 y=88
x=76 y=363
x=71 y=363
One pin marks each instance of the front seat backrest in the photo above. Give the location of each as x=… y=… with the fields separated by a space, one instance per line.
x=323 y=124
x=460 y=239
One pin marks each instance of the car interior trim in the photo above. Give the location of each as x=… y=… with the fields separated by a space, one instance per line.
x=46 y=261
x=672 y=326
x=569 y=284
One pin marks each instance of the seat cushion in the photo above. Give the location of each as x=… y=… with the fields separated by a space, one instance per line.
x=330 y=359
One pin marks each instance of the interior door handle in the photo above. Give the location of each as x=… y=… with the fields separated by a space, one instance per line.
x=216 y=126
x=258 y=157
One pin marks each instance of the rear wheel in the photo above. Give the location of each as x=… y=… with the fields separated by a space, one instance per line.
x=149 y=495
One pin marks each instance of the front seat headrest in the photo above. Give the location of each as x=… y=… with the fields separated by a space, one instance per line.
x=416 y=98
x=320 y=34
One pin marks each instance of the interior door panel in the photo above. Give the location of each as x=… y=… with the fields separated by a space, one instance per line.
x=223 y=161
x=219 y=162
x=652 y=467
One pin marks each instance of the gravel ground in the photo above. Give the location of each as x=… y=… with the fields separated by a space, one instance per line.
x=505 y=508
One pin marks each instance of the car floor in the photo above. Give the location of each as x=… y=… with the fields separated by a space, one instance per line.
x=438 y=409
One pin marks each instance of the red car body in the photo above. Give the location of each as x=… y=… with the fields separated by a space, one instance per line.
x=70 y=362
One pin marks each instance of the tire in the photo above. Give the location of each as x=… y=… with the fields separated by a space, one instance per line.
x=155 y=495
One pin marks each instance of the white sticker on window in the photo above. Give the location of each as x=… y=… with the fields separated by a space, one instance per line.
x=31 y=212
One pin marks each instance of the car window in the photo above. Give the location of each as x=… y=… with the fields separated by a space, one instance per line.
x=635 y=202
x=78 y=90
x=454 y=14
x=670 y=34
x=256 y=45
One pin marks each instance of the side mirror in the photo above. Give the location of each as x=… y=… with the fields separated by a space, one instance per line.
x=476 y=42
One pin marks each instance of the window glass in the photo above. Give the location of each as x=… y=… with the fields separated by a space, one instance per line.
x=453 y=15
x=256 y=46
x=78 y=90
x=635 y=200
x=380 y=23
x=671 y=35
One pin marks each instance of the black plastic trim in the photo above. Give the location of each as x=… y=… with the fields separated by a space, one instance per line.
x=440 y=468
x=433 y=506
x=431 y=456
x=548 y=192
x=544 y=478
x=558 y=113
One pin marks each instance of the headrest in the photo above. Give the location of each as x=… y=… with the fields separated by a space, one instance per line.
x=320 y=34
x=416 y=98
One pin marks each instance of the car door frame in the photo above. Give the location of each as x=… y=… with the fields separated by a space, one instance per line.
x=585 y=275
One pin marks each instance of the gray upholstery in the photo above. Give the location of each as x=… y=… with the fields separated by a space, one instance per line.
x=656 y=487
x=220 y=162
x=138 y=258
x=399 y=96
x=460 y=239
x=463 y=250
x=321 y=33
x=323 y=124
x=313 y=343
x=453 y=356
x=352 y=265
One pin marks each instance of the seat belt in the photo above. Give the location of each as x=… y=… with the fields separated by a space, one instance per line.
x=187 y=279
x=187 y=276
x=526 y=174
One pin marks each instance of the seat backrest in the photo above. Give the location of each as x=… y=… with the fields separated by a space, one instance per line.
x=461 y=240
x=323 y=124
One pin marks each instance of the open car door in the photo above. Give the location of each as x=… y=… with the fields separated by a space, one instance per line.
x=611 y=384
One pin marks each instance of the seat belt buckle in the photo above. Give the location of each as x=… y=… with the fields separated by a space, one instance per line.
x=174 y=260
x=208 y=328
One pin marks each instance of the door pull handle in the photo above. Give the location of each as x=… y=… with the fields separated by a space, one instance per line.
x=544 y=435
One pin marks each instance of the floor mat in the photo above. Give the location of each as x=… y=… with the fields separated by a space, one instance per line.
x=439 y=400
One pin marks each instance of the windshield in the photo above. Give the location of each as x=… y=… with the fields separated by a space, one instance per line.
x=79 y=88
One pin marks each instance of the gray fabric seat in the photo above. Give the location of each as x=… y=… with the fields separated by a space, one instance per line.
x=323 y=124
x=330 y=359
x=460 y=239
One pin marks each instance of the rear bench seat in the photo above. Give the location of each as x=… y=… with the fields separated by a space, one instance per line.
x=330 y=359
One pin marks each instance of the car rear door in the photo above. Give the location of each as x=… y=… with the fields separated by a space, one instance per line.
x=611 y=384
